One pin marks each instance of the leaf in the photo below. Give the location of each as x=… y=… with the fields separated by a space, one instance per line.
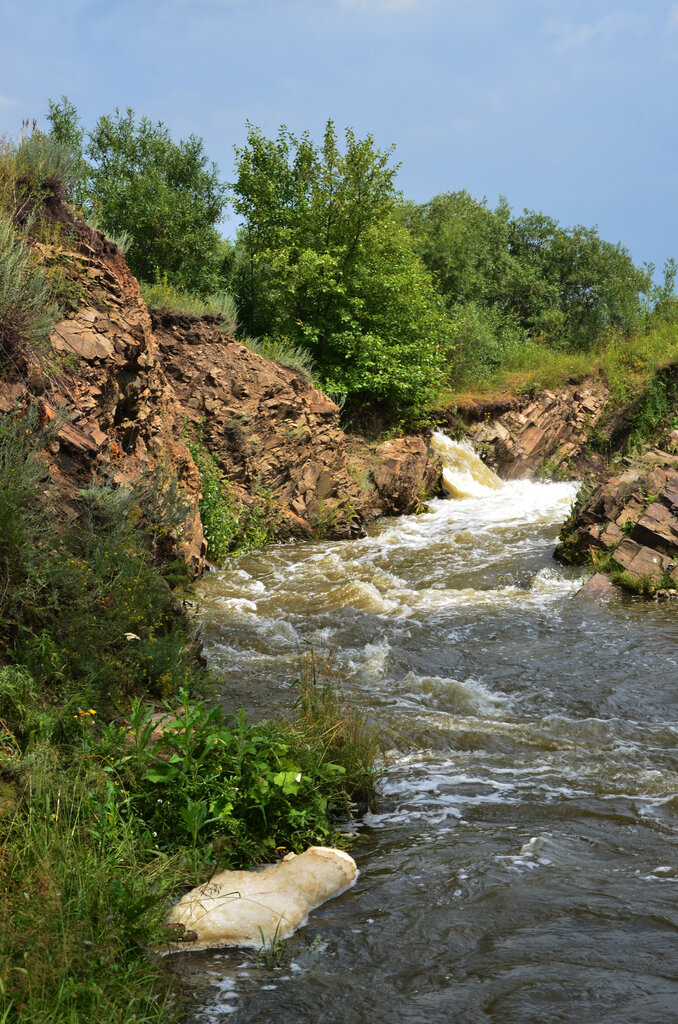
x=289 y=782
x=161 y=772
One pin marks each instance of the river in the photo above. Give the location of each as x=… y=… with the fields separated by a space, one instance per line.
x=522 y=867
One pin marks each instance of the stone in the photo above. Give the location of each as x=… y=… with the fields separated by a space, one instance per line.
x=251 y=908
x=599 y=588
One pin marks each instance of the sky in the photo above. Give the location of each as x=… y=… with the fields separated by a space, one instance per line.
x=563 y=106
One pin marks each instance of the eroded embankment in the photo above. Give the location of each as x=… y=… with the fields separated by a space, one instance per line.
x=127 y=393
x=546 y=433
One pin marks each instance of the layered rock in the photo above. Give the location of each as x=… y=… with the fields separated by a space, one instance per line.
x=270 y=428
x=521 y=435
x=629 y=524
x=116 y=416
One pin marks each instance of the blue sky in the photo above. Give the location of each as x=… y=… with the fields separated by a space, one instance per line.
x=565 y=107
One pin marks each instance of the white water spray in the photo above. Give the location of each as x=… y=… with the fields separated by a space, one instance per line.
x=465 y=475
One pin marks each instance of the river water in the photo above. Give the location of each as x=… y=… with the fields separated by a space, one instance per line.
x=523 y=866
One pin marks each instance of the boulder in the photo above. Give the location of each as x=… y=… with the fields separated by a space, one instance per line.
x=405 y=474
x=632 y=519
x=252 y=908
x=598 y=588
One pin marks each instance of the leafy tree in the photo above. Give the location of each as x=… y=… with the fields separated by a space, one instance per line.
x=323 y=259
x=165 y=196
x=568 y=284
x=501 y=274
x=463 y=243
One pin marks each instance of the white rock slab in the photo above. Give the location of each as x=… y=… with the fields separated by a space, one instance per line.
x=248 y=908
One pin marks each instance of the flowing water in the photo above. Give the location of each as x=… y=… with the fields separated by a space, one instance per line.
x=523 y=866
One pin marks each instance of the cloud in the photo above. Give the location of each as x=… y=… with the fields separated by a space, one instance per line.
x=673 y=18
x=570 y=35
x=368 y=6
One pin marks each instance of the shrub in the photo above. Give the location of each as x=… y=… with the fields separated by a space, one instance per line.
x=70 y=591
x=230 y=527
x=27 y=311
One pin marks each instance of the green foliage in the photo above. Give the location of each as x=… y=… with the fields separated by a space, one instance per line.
x=464 y=244
x=656 y=412
x=70 y=591
x=164 y=295
x=165 y=195
x=519 y=288
x=230 y=527
x=280 y=350
x=323 y=261
x=27 y=310
x=80 y=900
x=229 y=791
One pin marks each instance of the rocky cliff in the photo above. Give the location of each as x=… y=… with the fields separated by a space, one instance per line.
x=544 y=432
x=125 y=390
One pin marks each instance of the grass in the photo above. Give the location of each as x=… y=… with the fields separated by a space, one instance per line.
x=163 y=295
x=326 y=718
x=80 y=901
x=27 y=310
x=627 y=364
x=280 y=350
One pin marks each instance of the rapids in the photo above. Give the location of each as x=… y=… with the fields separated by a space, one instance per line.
x=523 y=866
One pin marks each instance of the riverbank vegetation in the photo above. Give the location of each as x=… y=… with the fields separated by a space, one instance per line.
x=113 y=793
x=122 y=780
x=397 y=306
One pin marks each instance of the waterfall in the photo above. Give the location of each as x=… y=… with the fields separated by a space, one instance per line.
x=465 y=475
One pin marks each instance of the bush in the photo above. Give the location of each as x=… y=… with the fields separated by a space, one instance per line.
x=82 y=604
x=27 y=311
x=230 y=527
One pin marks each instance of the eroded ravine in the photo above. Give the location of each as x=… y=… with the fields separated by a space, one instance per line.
x=523 y=865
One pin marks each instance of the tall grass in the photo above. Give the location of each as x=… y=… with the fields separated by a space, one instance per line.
x=280 y=350
x=27 y=310
x=626 y=363
x=165 y=296
x=80 y=902
x=327 y=720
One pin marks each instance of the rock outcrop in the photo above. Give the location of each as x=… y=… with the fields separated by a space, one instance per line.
x=101 y=383
x=520 y=435
x=124 y=393
x=629 y=524
x=270 y=428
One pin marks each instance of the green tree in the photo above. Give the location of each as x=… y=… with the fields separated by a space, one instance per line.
x=568 y=284
x=323 y=259
x=463 y=243
x=165 y=196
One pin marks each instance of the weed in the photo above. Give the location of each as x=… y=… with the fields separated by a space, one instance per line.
x=230 y=526
x=27 y=310
x=283 y=351
x=271 y=951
